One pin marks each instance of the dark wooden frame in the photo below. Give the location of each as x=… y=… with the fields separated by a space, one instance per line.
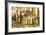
x=6 y=17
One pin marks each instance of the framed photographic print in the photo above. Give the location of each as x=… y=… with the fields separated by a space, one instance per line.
x=24 y=17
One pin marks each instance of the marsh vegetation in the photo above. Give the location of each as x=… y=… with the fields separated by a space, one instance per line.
x=25 y=17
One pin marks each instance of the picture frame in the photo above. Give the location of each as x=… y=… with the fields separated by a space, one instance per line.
x=23 y=4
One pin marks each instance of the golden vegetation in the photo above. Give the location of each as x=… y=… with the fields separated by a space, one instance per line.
x=25 y=17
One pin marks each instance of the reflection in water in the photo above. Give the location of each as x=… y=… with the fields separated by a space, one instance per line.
x=25 y=17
